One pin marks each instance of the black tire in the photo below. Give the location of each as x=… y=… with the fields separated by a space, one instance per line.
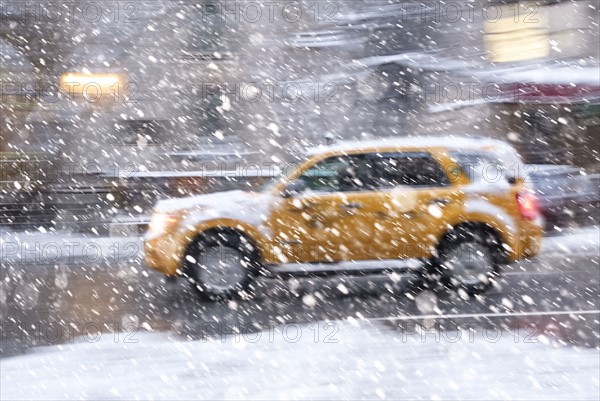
x=221 y=265
x=468 y=259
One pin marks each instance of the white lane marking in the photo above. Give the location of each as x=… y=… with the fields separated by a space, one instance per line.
x=504 y=314
x=544 y=273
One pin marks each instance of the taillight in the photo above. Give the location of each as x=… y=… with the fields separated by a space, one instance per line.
x=528 y=205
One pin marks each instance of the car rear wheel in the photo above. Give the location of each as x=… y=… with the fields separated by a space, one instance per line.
x=221 y=266
x=468 y=260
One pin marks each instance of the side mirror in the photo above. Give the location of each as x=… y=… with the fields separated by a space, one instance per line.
x=294 y=188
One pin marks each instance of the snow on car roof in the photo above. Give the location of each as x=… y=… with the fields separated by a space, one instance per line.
x=453 y=142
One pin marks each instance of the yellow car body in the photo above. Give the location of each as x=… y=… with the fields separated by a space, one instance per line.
x=399 y=222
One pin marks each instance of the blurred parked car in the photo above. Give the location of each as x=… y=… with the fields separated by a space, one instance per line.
x=566 y=196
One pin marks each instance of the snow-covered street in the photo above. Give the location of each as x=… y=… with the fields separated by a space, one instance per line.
x=358 y=360
x=114 y=330
x=43 y=247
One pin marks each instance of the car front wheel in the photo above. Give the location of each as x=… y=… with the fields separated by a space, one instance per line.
x=220 y=266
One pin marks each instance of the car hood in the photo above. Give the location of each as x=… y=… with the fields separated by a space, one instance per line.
x=249 y=207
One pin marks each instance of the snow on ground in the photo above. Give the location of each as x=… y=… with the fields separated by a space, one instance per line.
x=582 y=240
x=353 y=361
x=59 y=246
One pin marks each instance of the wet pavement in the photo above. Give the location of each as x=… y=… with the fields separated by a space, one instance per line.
x=555 y=294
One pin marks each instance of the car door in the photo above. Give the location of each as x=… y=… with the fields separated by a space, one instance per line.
x=333 y=220
x=419 y=203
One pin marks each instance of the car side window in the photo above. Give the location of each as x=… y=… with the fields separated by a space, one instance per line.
x=418 y=169
x=339 y=173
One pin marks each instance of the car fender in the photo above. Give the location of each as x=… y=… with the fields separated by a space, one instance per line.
x=190 y=232
x=483 y=212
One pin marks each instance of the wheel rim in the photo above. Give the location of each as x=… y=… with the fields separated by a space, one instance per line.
x=221 y=268
x=470 y=263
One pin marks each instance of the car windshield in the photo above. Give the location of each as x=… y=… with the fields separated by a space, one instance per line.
x=283 y=176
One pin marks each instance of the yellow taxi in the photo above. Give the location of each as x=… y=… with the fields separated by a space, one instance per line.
x=457 y=207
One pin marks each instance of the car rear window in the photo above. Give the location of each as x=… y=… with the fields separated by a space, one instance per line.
x=481 y=166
